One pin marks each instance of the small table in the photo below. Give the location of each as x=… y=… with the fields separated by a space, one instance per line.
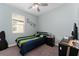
x=68 y=47
x=50 y=41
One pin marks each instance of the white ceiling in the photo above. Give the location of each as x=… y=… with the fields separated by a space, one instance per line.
x=25 y=7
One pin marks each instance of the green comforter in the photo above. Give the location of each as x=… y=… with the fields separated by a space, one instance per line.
x=25 y=41
x=25 y=38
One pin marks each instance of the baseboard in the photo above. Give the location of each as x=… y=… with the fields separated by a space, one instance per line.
x=12 y=45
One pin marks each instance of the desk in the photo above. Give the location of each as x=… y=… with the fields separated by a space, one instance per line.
x=68 y=47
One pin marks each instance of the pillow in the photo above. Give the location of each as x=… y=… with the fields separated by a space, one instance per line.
x=41 y=35
x=37 y=35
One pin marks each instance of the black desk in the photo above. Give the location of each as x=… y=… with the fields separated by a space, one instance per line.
x=68 y=47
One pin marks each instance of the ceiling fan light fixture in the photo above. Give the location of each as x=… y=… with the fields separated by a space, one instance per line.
x=35 y=6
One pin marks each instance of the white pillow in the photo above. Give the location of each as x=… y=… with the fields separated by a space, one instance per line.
x=41 y=35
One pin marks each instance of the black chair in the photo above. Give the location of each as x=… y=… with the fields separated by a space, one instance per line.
x=3 y=42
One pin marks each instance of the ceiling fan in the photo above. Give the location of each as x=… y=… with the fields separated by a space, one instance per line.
x=37 y=6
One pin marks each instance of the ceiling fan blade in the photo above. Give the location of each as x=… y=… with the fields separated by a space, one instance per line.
x=30 y=7
x=43 y=4
x=38 y=9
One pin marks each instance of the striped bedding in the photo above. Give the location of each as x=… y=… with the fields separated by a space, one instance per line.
x=22 y=40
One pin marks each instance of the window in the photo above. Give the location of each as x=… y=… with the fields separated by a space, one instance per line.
x=17 y=23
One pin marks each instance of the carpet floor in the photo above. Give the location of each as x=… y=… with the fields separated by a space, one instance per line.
x=43 y=50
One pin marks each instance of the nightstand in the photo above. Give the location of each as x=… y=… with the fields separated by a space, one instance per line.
x=50 y=41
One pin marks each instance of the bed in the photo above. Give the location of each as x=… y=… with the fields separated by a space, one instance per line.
x=28 y=43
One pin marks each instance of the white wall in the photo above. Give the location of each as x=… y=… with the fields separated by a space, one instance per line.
x=6 y=22
x=59 y=21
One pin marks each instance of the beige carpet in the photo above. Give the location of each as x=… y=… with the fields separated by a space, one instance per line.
x=43 y=50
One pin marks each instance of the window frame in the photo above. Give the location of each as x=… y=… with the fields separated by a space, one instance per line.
x=17 y=20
